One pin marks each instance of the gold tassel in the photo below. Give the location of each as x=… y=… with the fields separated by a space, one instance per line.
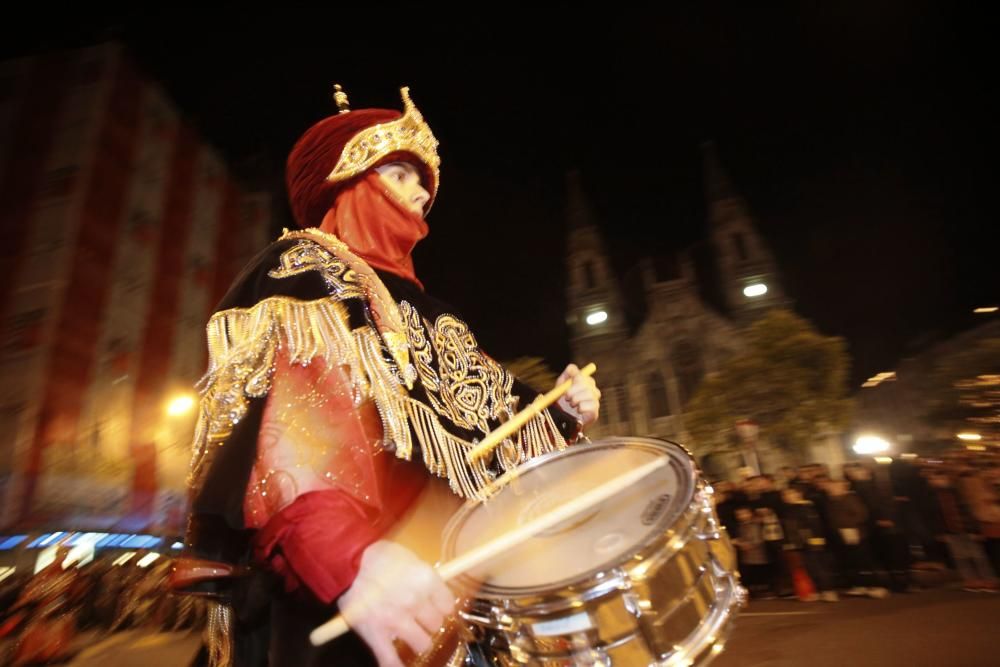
x=218 y=635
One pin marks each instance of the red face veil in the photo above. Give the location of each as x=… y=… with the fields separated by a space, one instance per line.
x=376 y=226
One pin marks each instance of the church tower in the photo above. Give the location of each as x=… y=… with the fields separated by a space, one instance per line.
x=746 y=266
x=596 y=317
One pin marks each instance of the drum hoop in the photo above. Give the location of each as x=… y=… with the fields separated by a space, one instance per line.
x=650 y=542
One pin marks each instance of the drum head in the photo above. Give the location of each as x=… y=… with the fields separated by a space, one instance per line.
x=593 y=540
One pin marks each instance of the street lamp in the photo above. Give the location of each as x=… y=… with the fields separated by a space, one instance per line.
x=180 y=405
x=870 y=444
x=597 y=317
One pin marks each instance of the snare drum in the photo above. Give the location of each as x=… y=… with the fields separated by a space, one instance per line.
x=646 y=578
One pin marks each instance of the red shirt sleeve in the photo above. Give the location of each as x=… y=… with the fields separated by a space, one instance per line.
x=322 y=488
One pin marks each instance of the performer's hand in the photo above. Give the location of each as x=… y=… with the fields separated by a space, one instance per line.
x=583 y=400
x=395 y=596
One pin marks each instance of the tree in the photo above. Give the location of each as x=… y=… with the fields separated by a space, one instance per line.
x=790 y=379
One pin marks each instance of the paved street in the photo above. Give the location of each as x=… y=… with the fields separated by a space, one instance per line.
x=944 y=628
x=139 y=649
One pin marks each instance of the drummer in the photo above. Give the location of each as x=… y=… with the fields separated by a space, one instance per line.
x=338 y=394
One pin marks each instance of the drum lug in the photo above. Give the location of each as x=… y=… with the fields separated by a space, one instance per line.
x=474 y=626
x=503 y=620
x=632 y=601
x=626 y=579
x=634 y=604
x=709 y=525
x=710 y=532
x=742 y=596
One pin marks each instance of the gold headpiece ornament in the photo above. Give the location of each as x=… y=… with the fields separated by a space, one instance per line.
x=340 y=98
x=408 y=134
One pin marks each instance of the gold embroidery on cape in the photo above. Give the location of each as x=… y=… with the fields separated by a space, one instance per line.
x=308 y=256
x=243 y=344
x=468 y=388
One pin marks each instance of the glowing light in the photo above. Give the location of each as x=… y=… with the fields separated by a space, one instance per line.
x=597 y=318
x=975 y=437
x=884 y=460
x=987 y=309
x=12 y=541
x=48 y=540
x=46 y=557
x=876 y=380
x=180 y=405
x=907 y=456
x=146 y=560
x=870 y=444
x=757 y=289
x=124 y=558
x=83 y=549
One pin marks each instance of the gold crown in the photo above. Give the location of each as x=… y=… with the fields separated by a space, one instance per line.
x=409 y=133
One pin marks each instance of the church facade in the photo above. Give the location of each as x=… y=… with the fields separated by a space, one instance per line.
x=650 y=368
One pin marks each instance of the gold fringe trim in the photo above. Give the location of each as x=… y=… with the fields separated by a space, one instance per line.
x=242 y=343
x=218 y=635
x=242 y=347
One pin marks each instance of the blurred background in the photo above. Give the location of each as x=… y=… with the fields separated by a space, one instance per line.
x=771 y=228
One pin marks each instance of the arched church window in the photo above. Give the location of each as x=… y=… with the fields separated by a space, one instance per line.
x=656 y=393
x=617 y=402
x=621 y=399
x=688 y=367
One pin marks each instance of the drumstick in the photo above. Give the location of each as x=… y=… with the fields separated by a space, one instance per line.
x=470 y=559
x=541 y=402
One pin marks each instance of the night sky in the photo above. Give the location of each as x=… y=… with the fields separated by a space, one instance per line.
x=862 y=136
